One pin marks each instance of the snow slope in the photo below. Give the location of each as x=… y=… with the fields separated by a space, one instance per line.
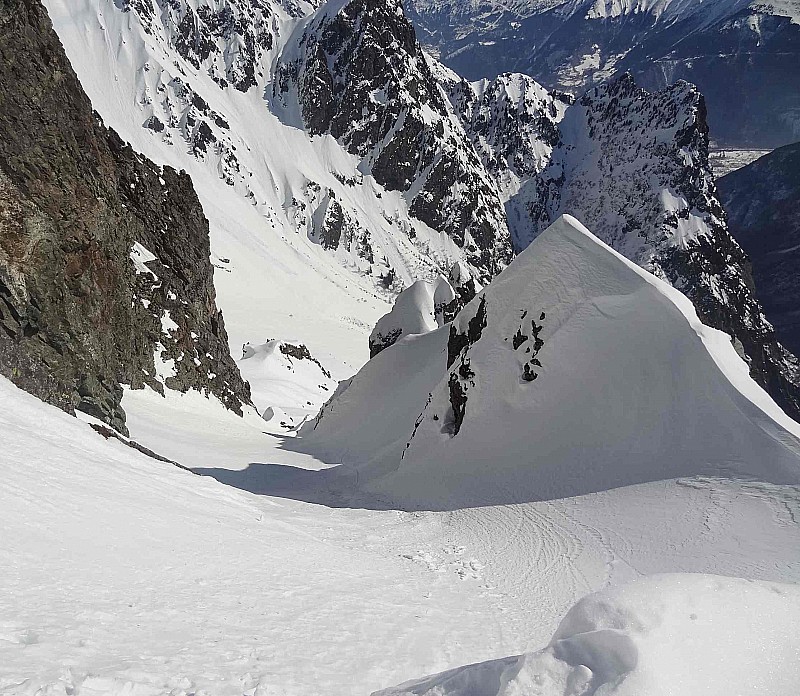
x=663 y=635
x=126 y=575
x=575 y=371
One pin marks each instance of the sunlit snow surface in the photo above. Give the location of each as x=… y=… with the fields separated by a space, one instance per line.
x=126 y=575
x=663 y=635
x=120 y=574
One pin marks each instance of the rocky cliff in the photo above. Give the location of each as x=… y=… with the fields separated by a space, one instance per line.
x=105 y=276
x=762 y=201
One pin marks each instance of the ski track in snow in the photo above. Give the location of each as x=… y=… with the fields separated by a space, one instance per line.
x=122 y=575
x=127 y=576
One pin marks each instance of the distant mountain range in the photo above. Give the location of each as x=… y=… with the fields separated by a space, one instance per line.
x=742 y=54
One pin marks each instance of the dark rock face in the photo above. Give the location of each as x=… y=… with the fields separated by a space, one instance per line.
x=727 y=49
x=196 y=34
x=642 y=183
x=361 y=76
x=511 y=120
x=78 y=317
x=762 y=201
x=467 y=333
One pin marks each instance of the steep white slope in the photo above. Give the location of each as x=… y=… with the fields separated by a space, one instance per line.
x=661 y=636
x=633 y=166
x=124 y=575
x=574 y=371
x=294 y=223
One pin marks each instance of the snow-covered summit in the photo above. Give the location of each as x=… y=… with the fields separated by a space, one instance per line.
x=574 y=371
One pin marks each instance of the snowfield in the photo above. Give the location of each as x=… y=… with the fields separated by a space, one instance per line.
x=293 y=573
x=657 y=636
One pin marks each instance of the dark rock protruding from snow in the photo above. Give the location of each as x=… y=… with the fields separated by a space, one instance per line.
x=357 y=72
x=462 y=281
x=105 y=276
x=633 y=167
x=762 y=201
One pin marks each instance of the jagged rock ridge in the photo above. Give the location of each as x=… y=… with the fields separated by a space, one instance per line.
x=105 y=276
x=358 y=73
x=512 y=121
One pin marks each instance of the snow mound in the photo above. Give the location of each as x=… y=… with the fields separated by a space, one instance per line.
x=662 y=635
x=287 y=382
x=575 y=371
x=421 y=308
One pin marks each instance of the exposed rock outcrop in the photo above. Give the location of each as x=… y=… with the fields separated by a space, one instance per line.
x=105 y=276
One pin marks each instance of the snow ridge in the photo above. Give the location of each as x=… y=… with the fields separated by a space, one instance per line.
x=574 y=371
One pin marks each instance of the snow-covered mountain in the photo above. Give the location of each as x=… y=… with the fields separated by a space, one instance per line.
x=224 y=554
x=574 y=371
x=355 y=70
x=378 y=166
x=740 y=53
x=633 y=166
x=190 y=84
x=762 y=201
x=511 y=120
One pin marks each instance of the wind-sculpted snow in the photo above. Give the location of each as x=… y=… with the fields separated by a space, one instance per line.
x=574 y=371
x=633 y=166
x=421 y=308
x=355 y=70
x=661 y=635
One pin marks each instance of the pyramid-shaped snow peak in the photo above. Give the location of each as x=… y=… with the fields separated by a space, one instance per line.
x=574 y=371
